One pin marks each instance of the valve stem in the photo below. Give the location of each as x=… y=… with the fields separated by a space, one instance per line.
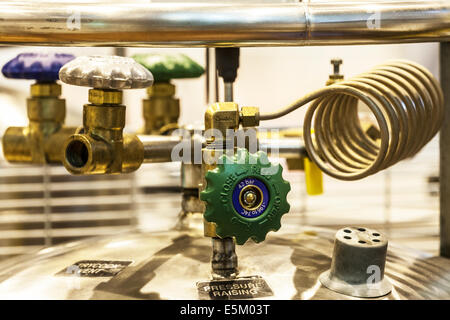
x=336 y=75
x=224 y=259
x=336 y=62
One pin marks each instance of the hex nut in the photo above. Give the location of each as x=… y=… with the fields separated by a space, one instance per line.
x=45 y=90
x=99 y=96
x=250 y=116
x=163 y=89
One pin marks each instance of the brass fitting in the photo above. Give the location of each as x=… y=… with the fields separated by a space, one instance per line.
x=161 y=110
x=333 y=78
x=249 y=116
x=222 y=116
x=102 y=148
x=295 y=164
x=42 y=140
x=99 y=96
x=51 y=89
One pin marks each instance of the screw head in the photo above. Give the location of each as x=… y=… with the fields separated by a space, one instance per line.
x=336 y=61
x=250 y=198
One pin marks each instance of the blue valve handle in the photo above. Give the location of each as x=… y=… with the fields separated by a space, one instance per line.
x=42 y=67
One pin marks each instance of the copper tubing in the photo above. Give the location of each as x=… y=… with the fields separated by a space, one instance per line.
x=407 y=103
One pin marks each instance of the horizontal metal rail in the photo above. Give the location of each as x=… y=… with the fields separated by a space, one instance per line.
x=222 y=25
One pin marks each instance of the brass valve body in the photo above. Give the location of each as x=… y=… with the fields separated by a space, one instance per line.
x=223 y=116
x=161 y=110
x=42 y=140
x=102 y=148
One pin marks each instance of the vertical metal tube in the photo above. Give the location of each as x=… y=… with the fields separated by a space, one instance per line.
x=120 y=51
x=445 y=153
x=224 y=260
x=207 y=71
x=216 y=84
x=228 y=96
x=47 y=205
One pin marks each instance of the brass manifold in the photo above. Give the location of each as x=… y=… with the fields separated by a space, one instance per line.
x=161 y=110
x=43 y=139
x=101 y=147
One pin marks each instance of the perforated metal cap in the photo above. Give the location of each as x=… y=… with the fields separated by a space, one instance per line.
x=357 y=266
x=106 y=72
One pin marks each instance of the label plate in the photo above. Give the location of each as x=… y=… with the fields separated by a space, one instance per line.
x=94 y=268
x=241 y=288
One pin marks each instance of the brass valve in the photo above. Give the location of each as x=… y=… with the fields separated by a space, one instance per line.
x=161 y=109
x=223 y=118
x=42 y=140
x=102 y=147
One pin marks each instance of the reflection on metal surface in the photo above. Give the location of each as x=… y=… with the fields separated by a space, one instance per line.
x=44 y=206
x=167 y=265
x=41 y=206
x=223 y=25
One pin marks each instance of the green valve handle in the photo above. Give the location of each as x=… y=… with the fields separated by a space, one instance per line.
x=165 y=67
x=245 y=196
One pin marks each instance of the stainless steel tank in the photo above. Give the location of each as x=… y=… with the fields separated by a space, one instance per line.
x=173 y=265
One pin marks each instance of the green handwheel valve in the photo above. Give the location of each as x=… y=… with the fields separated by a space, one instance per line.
x=165 y=67
x=245 y=196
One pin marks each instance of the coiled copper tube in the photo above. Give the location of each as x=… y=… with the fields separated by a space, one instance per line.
x=407 y=103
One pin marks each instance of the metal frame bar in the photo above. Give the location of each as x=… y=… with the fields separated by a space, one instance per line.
x=444 y=176
x=223 y=24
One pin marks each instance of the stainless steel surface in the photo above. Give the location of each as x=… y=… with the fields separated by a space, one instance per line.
x=106 y=72
x=191 y=175
x=224 y=260
x=223 y=25
x=159 y=148
x=167 y=265
x=228 y=93
x=283 y=148
x=42 y=206
x=445 y=153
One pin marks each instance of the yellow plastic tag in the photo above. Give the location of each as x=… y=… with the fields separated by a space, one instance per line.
x=313 y=178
